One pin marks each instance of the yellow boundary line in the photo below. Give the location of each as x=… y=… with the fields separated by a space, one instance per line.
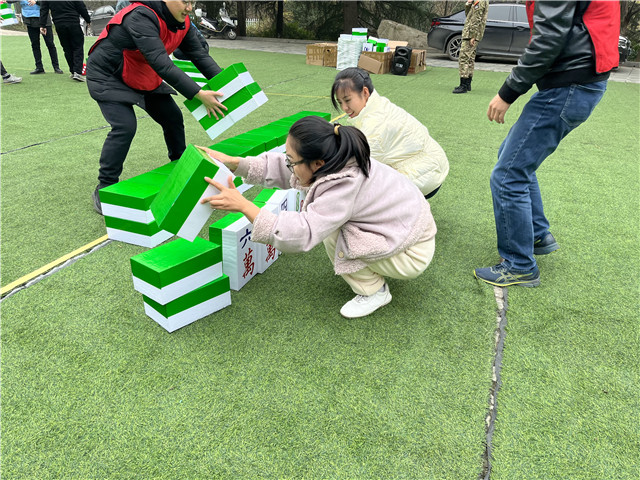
x=88 y=246
x=49 y=266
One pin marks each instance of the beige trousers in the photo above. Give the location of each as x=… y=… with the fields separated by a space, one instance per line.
x=404 y=265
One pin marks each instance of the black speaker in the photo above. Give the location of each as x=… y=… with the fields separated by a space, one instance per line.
x=401 y=61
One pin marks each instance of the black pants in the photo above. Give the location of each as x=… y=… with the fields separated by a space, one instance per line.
x=72 y=41
x=34 y=36
x=3 y=71
x=162 y=108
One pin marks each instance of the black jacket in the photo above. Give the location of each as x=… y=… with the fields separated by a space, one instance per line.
x=140 y=30
x=63 y=13
x=560 y=52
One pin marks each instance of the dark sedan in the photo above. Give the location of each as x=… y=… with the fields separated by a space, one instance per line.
x=99 y=19
x=506 y=33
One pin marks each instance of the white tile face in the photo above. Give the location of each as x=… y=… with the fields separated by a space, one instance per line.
x=126 y=213
x=138 y=239
x=239 y=253
x=190 y=315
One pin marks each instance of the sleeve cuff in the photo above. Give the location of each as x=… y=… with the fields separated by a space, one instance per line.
x=508 y=94
x=263 y=226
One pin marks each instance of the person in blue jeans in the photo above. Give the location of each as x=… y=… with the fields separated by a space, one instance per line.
x=573 y=48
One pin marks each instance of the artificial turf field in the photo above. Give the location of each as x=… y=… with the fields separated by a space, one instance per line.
x=279 y=385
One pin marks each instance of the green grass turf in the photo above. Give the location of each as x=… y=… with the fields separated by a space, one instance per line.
x=278 y=384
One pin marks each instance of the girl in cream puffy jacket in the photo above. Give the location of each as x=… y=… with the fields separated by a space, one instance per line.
x=396 y=138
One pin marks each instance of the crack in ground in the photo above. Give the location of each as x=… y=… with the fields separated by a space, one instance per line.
x=501 y=323
x=53 y=270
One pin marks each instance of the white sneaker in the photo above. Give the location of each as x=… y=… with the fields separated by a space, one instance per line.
x=11 y=79
x=77 y=77
x=362 y=305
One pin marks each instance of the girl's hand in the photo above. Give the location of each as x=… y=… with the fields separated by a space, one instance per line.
x=230 y=162
x=231 y=200
x=210 y=101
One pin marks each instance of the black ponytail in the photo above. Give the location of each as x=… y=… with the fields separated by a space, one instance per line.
x=316 y=139
x=352 y=78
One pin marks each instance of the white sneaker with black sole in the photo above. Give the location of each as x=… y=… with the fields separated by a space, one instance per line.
x=363 y=305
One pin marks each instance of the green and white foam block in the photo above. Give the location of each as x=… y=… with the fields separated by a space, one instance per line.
x=190 y=69
x=126 y=208
x=7 y=15
x=266 y=254
x=233 y=231
x=241 y=96
x=197 y=304
x=174 y=269
x=274 y=196
x=177 y=207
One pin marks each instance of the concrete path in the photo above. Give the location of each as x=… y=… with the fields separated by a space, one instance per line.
x=628 y=72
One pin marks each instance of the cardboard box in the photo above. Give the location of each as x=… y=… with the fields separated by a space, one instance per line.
x=418 y=61
x=397 y=43
x=375 y=62
x=323 y=54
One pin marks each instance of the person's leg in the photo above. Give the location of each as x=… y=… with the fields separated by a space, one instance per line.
x=123 y=123
x=67 y=46
x=3 y=71
x=464 y=61
x=77 y=47
x=163 y=109
x=34 y=38
x=53 y=51
x=545 y=120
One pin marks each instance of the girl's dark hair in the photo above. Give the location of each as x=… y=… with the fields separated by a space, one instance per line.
x=315 y=139
x=352 y=78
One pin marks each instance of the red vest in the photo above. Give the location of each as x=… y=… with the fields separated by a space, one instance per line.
x=136 y=72
x=602 y=19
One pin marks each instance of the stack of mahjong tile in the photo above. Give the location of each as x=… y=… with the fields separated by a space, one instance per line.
x=126 y=208
x=241 y=95
x=177 y=207
x=181 y=282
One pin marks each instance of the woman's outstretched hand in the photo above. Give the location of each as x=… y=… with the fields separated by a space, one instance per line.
x=231 y=200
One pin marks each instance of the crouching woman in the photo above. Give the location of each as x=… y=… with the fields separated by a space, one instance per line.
x=374 y=221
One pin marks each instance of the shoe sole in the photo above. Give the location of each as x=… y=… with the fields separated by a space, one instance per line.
x=545 y=250
x=524 y=283
x=367 y=314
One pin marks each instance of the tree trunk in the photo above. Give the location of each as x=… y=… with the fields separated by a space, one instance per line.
x=280 y=19
x=350 y=14
x=242 y=19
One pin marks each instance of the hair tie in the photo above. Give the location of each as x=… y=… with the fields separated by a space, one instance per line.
x=335 y=129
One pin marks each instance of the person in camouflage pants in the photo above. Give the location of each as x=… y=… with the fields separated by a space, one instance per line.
x=476 y=11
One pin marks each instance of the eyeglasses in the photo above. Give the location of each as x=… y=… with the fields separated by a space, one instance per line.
x=291 y=164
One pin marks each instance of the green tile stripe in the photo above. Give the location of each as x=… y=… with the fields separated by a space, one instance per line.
x=165 y=169
x=238 y=149
x=207 y=292
x=186 y=66
x=265 y=194
x=183 y=188
x=267 y=139
x=130 y=193
x=146 y=229
x=150 y=178
x=215 y=229
x=168 y=263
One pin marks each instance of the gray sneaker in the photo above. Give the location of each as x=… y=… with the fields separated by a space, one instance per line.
x=545 y=245
x=97 y=206
x=78 y=78
x=11 y=79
